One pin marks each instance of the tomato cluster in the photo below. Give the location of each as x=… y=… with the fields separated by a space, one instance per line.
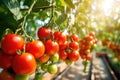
x=86 y=45
x=112 y=46
x=26 y=57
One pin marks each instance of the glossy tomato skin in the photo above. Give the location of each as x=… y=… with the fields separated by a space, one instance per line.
x=5 y=60
x=60 y=37
x=74 y=55
x=24 y=64
x=63 y=46
x=92 y=33
x=63 y=55
x=11 y=43
x=44 y=58
x=5 y=75
x=74 y=45
x=36 y=48
x=51 y=47
x=44 y=32
x=74 y=37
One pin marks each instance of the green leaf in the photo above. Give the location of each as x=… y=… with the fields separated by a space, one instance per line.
x=13 y=6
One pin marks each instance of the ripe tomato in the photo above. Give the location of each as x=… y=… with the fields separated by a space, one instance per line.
x=74 y=37
x=52 y=68
x=36 y=48
x=5 y=75
x=74 y=55
x=60 y=37
x=24 y=64
x=88 y=57
x=44 y=32
x=62 y=54
x=5 y=60
x=11 y=43
x=89 y=38
x=44 y=58
x=92 y=33
x=74 y=45
x=63 y=46
x=51 y=47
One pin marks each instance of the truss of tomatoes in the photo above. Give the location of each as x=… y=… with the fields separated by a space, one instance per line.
x=52 y=46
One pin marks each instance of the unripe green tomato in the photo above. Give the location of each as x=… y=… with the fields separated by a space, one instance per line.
x=54 y=57
x=68 y=62
x=22 y=77
x=52 y=68
x=38 y=76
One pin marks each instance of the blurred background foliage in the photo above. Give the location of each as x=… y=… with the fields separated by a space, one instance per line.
x=74 y=16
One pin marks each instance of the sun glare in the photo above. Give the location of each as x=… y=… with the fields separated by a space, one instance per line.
x=107 y=6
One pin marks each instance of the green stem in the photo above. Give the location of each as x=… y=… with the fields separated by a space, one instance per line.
x=25 y=18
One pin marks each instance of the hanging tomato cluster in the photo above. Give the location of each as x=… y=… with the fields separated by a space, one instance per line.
x=26 y=57
x=112 y=46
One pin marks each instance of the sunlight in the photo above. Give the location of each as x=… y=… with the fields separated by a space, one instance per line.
x=107 y=6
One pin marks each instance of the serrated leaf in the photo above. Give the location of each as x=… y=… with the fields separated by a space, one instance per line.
x=13 y=6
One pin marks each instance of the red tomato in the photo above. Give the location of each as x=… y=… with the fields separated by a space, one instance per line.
x=74 y=55
x=5 y=60
x=89 y=38
x=5 y=75
x=11 y=43
x=88 y=57
x=24 y=64
x=74 y=45
x=51 y=47
x=36 y=48
x=60 y=37
x=63 y=55
x=74 y=37
x=92 y=33
x=44 y=58
x=63 y=45
x=44 y=32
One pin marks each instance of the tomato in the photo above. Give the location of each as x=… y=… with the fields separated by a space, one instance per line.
x=36 y=48
x=44 y=58
x=51 y=47
x=54 y=57
x=43 y=32
x=24 y=64
x=5 y=60
x=74 y=55
x=22 y=77
x=38 y=76
x=52 y=68
x=68 y=62
x=11 y=43
x=88 y=57
x=74 y=45
x=63 y=55
x=89 y=38
x=63 y=46
x=92 y=33
x=5 y=75
x=74 y=37
x=60 y=37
